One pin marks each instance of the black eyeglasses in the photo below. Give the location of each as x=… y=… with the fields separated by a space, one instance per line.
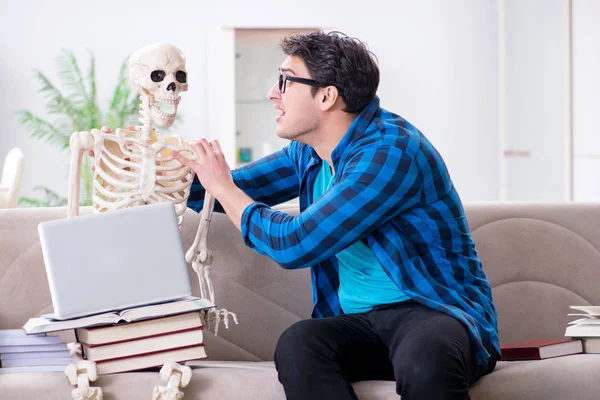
x=283 y=79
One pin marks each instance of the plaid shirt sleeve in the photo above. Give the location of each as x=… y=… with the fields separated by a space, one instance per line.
x=271 y=180
x=377 y=183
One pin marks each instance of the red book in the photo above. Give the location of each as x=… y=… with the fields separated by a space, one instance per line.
x=540 y=349
x=155 y=359
x=151 y=344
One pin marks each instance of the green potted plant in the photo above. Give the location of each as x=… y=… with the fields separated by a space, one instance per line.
x=76 y=109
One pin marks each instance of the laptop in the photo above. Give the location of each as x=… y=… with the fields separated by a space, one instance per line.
x=114 y=260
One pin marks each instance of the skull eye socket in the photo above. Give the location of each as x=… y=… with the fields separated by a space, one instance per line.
x=157 y=76
x=181 y=76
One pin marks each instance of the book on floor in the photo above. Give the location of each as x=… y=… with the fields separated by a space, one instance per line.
x=150 y=360
x=541 y=349
x=42 y=324
x=137 y=330
x=143 y=346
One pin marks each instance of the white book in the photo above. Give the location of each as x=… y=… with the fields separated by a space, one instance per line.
x=588 y=316
x=39 y=368
x=28 y=340
x=585 y=321
x=591 y=345
x=32 y=362
x=26 y=349
x=16 y=333
x=582 y=330
x=35 y=354
x=591 y=310
x=188 y=304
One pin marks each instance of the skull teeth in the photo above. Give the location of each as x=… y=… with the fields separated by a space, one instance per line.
x=169 y=101
x=161 y=112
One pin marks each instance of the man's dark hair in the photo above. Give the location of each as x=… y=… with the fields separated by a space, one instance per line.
x=336 y=59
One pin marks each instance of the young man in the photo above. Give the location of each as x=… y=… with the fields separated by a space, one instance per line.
x=398 y=289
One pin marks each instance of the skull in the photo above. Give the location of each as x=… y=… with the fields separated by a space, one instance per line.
x=158 y=74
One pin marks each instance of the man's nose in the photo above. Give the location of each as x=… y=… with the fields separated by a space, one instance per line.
x=274 y=92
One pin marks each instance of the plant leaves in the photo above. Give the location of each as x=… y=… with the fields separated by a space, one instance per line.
x=56 y=102
x=44 y=130
x=92 y=107
x=76 y=109
x=123 y=105
x=51 y=199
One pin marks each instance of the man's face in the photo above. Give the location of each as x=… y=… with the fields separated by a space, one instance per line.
x=300 y=114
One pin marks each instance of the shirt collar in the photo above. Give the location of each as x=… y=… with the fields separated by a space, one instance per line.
x=356 y=129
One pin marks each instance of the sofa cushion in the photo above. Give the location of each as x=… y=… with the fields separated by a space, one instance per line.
x=517 y=380
x=570 y=377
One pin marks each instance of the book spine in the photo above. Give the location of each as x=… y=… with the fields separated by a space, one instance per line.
x=520 y=354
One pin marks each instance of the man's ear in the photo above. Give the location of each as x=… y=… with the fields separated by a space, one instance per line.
x=328 y=97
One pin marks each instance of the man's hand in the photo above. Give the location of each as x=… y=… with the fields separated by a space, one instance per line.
x=210 y=166
x=214 y=174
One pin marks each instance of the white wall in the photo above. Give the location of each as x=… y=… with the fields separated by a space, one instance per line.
x=255 y=76
x=586 y=99
x=534 y=81
x=438 y=62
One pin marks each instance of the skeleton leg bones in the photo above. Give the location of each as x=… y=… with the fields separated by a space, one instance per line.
x=80 y=372
x=176 y=376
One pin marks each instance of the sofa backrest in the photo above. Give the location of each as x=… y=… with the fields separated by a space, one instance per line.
x=539 y=258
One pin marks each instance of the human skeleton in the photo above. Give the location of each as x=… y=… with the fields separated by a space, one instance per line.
x=135 y=167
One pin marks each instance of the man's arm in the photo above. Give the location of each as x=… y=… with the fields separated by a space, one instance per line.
x=271 y=180
x=234 y=201
x=377 y=184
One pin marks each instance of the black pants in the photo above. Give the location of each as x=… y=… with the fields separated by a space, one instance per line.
x=428 y=353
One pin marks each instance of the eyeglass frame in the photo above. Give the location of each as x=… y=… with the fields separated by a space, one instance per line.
x=282 y=82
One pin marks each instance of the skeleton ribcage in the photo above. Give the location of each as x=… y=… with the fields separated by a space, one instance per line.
x=132 y=171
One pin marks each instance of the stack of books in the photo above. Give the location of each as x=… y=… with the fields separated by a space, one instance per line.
x=137 y=338
x=143 y=344
x=20 y=352
x=586 y=327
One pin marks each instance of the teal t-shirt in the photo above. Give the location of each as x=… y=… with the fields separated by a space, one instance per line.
x=363 y=282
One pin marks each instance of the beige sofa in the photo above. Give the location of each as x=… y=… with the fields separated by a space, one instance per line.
x=540 y=258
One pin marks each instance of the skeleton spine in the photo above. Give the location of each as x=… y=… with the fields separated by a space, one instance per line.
x=146 y=128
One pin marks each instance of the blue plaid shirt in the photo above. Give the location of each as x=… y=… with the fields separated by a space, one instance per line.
x=391 y=190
